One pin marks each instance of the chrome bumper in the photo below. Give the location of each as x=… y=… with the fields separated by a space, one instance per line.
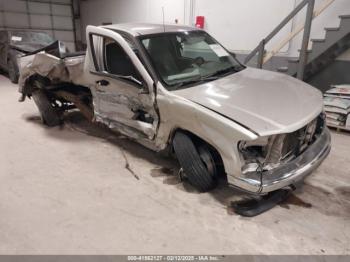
x=286 y=174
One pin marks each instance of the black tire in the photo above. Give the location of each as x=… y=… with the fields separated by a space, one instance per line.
x=12 y=71
x=192 y=164
x=49 y=114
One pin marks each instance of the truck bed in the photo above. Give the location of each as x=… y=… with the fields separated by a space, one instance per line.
x=68 y=68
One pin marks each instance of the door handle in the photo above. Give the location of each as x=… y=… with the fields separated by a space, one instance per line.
x=102 y=82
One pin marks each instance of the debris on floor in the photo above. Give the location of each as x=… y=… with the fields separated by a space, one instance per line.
x=256 y=206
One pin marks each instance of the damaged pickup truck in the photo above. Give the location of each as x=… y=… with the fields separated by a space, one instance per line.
x=177 y=87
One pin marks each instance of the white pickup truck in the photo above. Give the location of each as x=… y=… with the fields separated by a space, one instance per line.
x=175 y=86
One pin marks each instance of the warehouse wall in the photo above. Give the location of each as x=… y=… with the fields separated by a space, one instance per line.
x=121 y=11
x=238 y=24
x=233 y=16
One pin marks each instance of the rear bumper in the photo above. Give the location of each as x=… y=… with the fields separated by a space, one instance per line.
x=287 y=174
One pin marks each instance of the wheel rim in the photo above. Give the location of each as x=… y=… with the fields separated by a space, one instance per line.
x=208 y=160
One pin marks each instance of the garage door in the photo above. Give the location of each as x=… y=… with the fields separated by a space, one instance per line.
x=51 y=16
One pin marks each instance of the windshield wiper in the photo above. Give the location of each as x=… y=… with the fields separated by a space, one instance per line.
x=207 y=78
x=222 y=72
x=198 y=80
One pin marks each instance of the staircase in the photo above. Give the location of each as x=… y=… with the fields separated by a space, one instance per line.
x=323 y=51
x=310 y=61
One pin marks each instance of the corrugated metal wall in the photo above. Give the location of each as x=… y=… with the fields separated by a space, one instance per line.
x=52 y=16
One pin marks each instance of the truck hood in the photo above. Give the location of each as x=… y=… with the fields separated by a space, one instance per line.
x=263 y=101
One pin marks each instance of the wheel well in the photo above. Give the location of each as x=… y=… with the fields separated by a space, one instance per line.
x=28 y=85
x=44 y=81
x=9 y=57
x=199 y=141
x=64 y=95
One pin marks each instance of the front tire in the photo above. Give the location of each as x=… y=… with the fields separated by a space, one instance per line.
x=197 y=163
x=49 y=114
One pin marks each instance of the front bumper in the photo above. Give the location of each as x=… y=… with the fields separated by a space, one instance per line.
x=289 y=173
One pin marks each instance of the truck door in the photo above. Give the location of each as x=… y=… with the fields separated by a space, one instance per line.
x=124 y=97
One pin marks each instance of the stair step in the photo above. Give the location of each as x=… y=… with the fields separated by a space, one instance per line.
x=323 y=50
x=332 y=28
x=318 y=40
x=282 y=69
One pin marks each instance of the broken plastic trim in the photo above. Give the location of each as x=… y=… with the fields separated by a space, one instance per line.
x=253 y=207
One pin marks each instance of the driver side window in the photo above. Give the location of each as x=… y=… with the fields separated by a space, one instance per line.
x=117 y=61
x=109 y=57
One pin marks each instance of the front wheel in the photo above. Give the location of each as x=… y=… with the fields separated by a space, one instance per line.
x=198 y=163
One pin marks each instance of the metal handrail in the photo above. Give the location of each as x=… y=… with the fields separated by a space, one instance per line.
x=296 y=31
x=260 y=49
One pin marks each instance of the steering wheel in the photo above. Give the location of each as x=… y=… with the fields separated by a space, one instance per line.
x=199 y=61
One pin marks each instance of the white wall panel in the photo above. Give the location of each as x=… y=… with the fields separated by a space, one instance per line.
x=39 y=8
x=121 y=11
x=62 y=10
x=16 y=20
x=40 y=21
x=13 y=5
x=240 y=25
x=172 y=10
x=233 y=22
x=62 y=23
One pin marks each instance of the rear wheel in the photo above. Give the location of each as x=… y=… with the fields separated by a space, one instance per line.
x=13 y=74
x=49 y=114
x=198 y=163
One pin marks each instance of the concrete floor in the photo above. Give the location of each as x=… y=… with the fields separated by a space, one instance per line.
x=66 y=191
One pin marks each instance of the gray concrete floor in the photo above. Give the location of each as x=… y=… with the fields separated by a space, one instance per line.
x=66 y=190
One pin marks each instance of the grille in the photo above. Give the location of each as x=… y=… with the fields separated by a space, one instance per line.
x=284 y=147
x=270 y=152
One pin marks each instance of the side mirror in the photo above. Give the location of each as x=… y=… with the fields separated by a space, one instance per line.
x=133 y=79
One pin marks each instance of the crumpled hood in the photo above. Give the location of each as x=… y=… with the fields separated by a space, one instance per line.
x=265 y=102
x=28 y=47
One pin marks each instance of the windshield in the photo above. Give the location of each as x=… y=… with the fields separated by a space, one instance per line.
x=187 y=58
x=20 y=37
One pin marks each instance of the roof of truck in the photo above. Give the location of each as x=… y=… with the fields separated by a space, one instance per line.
x=136 y=29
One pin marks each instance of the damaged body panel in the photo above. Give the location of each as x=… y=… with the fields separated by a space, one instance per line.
x=262 y=100
x=159 y=84
x=17 y=43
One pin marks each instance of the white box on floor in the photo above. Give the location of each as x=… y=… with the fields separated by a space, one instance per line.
x=347 y=123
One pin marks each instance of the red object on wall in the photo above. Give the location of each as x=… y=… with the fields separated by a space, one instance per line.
x=200 y=22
